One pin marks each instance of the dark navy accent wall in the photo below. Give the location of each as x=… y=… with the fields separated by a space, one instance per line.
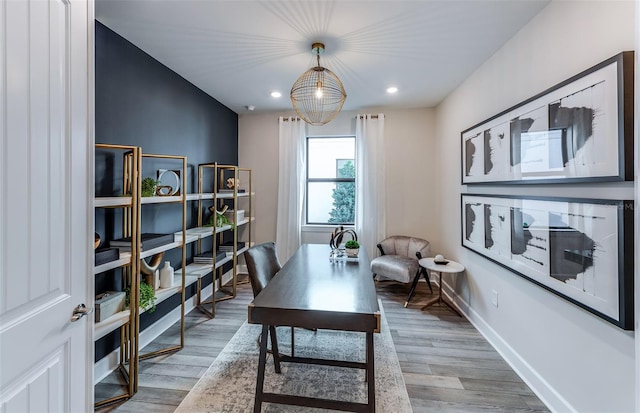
x=140 y=102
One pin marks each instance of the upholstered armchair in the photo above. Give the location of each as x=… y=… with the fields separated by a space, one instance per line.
x=398 y=261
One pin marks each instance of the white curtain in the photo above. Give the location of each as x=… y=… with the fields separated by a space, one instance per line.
x=291 y=184
x=370 y=182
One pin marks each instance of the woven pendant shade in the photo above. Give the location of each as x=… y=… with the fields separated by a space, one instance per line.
x=318 y=95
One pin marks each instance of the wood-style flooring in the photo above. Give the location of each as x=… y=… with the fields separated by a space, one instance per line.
x=447 y=365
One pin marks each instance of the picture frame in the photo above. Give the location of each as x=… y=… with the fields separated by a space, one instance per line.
x=578 y=249
x=580 y=130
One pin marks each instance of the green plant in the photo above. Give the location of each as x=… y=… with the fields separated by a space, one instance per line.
x=352 y=244
x=147 y=297
x=148 y=187
x=221 y=220
x=344 y=196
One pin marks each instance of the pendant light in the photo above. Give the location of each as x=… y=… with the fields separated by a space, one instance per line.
x=318 y=95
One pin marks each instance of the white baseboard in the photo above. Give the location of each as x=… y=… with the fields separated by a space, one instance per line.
x=103 y=367
x=545 y=392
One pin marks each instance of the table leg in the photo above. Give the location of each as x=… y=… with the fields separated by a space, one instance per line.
x=438 y=299
x=262 y=360
x=274 y=349
x=371 y=380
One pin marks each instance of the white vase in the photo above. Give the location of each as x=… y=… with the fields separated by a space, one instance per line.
x=352 y=252
x=166 y=275
x=156 y=279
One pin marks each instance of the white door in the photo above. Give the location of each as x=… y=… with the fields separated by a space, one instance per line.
x=46 y=122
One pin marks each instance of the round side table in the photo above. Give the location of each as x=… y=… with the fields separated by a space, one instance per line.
x=451 y=267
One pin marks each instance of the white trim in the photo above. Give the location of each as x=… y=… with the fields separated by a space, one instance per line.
x=327 y=228
x=636 y=140
x=545 y=392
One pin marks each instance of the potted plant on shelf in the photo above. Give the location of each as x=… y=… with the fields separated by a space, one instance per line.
x=147 y=297
x=352 y=248
x=148 y=187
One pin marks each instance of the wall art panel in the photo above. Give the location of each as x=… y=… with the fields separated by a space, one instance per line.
x=580 y=249
x=579 y=130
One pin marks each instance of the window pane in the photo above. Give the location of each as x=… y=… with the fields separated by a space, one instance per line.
x=331 y=202
x=328 y=155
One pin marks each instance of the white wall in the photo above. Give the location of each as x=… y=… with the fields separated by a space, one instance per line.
x=573 y=359
x=409 y=148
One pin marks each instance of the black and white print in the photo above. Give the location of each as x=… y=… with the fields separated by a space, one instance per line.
x=572 y=132
x=573 y=248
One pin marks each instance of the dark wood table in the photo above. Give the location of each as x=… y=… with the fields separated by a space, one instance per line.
x=314 y=293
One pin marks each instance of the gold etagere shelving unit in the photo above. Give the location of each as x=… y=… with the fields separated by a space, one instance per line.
x=180 y=241
x=133 y=263
x=223 y=193
x=125 y=320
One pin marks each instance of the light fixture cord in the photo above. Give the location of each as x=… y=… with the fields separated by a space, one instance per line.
x=318 y=57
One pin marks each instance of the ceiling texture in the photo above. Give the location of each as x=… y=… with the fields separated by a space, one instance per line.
x=240 y=51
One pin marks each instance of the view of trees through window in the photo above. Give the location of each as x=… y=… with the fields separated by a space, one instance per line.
x=331 y=171
x=344 y=196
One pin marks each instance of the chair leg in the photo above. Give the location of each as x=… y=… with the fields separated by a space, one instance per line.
x=425 y=273
x=414 y=284
x=274 y=348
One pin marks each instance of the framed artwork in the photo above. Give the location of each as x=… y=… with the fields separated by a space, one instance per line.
x=579 y=249
x=580 y=130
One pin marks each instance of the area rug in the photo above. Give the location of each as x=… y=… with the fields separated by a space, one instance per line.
x=230 y=382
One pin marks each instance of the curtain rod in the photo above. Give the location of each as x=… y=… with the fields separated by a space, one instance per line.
x=362 y=116
x=287 y=119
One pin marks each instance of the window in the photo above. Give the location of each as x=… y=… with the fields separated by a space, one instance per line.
x=331 y=180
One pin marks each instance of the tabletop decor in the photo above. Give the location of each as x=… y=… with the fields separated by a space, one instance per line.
x=352 y=247
x=579 y=249
x=580 y=130
x=338 y=251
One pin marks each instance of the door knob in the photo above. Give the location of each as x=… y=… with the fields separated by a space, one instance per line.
x=80 y=311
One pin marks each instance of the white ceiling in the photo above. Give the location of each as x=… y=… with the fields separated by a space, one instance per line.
x=239 y=51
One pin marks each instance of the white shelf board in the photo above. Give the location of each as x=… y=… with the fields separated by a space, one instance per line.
x=193 y=197
x=200 y=270
x=162 y=248
x=125 y=259
x=246 y=247
x=223 y=228
x=112 y=323
x=246 y=221
x=197 y=270
x=160 y=199
x=191 y=237
x=111 y=201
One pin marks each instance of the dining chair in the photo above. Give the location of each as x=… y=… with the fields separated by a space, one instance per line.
x=262 y=265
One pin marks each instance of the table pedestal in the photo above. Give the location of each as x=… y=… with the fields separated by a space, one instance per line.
x=440 y=300
x=451 y=267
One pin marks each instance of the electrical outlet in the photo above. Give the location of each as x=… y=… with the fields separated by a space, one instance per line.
x=494 y=298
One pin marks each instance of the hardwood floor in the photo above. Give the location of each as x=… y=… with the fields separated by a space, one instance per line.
x=447 y=365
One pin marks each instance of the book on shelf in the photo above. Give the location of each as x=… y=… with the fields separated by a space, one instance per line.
x=148 y=241
x=105 y=255
x=207 y=257
x=228 y=191
x=228 y=246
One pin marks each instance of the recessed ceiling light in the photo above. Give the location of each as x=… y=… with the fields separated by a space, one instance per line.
x=392 y=89
x=276 y=94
